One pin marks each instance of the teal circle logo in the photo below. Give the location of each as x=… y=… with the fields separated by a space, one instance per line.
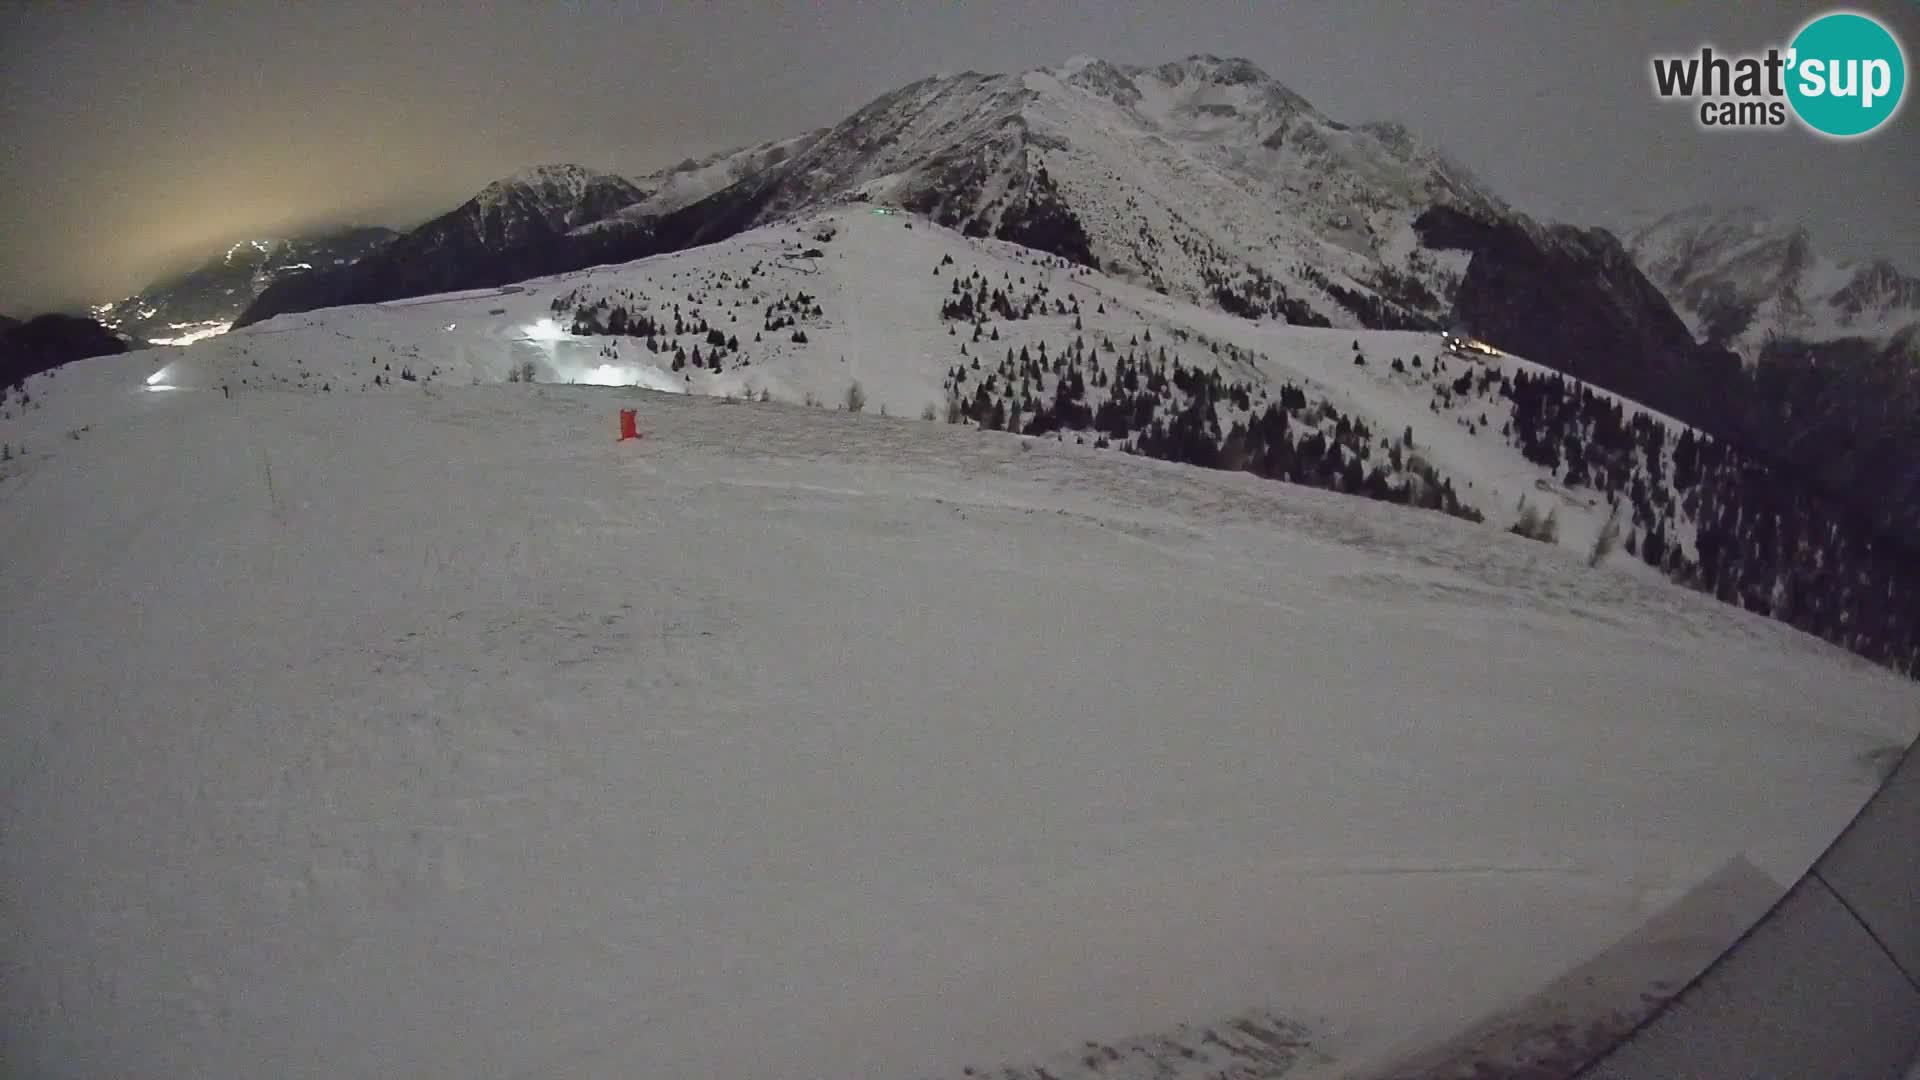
x=1847 y=74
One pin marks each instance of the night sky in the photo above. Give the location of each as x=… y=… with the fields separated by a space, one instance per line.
x=139 y=135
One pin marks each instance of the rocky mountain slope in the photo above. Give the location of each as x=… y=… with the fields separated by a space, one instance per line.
x=207 y=299
x=1205 y=178
x=696 y=178
x=508 y=231
x=1828 y=375
x=1574 y=298
x=1743 y=277
x=542 y=220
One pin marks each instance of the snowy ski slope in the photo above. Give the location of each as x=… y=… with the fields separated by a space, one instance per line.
x=428 y=731
x=880 y=297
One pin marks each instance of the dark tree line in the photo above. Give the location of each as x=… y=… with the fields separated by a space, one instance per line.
x=1764 y=540
x=1377 y=312
x=972 y=299
x=1152 y=403
x=1258 y=294
x=1843 y=415
x=711 y=347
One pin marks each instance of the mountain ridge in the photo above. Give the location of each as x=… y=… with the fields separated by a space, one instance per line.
x=209 y=297
x=1203 y=177
x=29 y=347
x=540 y=220
x=1743 y=276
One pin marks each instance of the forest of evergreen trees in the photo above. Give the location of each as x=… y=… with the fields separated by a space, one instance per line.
x=1155 y=404
x=712 y=349
x=1763 y=540
x=1758 y=538
x=1844 y=415
x=1259 y=295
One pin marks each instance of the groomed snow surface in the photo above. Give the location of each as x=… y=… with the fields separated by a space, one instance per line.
x=433 y=733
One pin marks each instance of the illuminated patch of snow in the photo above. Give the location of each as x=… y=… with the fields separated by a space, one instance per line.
x=545 y=330
x=195 y=332
x=644 y=376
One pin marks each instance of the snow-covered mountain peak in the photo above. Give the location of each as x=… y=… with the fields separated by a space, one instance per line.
x=1094 y=75
x=1742 y=275
x=1750 y=217
x=547 y=198
x=1691 y=234
x=1204 y=177
x=1201 y=88
x=560 y=179
x=1879 y=285
x=1205 y=67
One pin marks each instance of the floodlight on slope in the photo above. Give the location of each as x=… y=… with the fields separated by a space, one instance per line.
x=545 y=330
